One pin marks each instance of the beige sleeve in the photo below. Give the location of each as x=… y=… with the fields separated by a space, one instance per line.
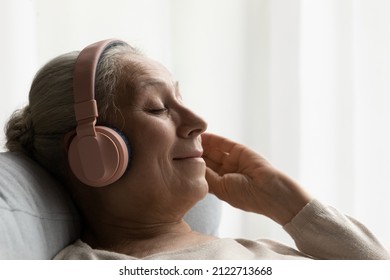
x=325 y=233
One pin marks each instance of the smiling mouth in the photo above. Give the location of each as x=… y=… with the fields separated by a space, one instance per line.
x=195 y=155
x=189 y=161
x=189 y=158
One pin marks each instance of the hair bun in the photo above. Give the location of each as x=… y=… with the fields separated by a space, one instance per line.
x=20 y=131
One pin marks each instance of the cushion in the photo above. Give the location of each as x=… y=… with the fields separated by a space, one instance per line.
x=38 y=218
x=205 y=216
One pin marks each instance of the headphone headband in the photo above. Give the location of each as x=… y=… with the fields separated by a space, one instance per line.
x=84 y=79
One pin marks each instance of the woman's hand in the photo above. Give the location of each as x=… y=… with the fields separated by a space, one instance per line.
x=247 y=181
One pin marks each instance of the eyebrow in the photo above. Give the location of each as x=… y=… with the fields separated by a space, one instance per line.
x=155 y=83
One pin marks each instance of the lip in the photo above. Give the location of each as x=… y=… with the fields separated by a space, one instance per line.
x=189 y=156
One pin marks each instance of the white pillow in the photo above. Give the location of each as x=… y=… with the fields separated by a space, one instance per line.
x=38 y=219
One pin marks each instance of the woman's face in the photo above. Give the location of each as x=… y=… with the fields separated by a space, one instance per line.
x=164 y=135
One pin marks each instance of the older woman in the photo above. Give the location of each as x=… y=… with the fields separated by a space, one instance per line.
x=167 y=165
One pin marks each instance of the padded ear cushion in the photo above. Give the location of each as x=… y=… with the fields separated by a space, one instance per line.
x=126 y=140
x=99 y=161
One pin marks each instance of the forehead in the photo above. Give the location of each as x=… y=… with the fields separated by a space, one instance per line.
x=145 y=77
x=150 y=73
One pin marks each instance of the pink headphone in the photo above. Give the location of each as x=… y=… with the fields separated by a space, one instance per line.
x=98 y=155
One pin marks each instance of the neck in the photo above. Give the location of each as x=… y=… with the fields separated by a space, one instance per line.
x=141 y=240
x=105 y=232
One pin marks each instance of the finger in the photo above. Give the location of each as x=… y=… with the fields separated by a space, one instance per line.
x=221 y=187
x=212 y=141
x=216 y=167
x=212 y=179
x=212 y=164
x=221 y=150
x=228 y=156
x=216 y=156
x=221 y=161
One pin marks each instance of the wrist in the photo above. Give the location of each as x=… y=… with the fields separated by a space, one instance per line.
x=290 y=200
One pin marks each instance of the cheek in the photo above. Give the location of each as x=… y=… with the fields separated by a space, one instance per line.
x=151 y=143
x=148 y=135
x=154 y=142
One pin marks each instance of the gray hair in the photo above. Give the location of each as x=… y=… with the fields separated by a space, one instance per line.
x=39 y=128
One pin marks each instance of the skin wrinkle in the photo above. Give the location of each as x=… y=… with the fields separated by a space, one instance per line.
x=156 y=192
x=142 y=213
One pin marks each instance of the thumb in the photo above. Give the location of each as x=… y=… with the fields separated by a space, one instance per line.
x=217 y=184
x=213 y=180
x=229 y=188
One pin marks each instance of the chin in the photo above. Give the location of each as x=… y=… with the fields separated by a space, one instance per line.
x=203 y=189
x=197 y=188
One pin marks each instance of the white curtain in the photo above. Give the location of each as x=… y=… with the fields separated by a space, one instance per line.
x=18 y=55
x=345 y=116
x=304 y=82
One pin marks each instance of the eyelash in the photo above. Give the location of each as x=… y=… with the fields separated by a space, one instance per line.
x=158 y=111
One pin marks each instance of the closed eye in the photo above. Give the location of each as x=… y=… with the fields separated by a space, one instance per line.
x=157 y=111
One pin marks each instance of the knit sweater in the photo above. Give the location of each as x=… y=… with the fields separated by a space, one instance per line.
x=319 y=232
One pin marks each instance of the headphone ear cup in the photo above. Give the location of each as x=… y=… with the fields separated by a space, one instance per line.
x=99 y=161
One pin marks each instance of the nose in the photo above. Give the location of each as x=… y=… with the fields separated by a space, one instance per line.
x=191 y=125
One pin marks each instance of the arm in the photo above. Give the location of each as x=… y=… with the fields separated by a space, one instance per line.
x=249 y=182
x=325 y=233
